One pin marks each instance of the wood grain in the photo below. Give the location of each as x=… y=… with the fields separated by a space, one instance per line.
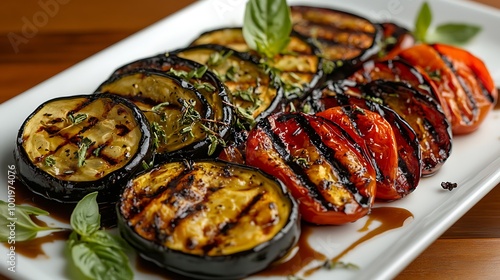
x=470 y=249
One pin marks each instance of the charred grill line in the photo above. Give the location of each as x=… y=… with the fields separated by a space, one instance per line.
x=411 y=178
x=280 y=148
x=192 y=210
x=402 y=133
x=329 y=155
x=228 y=226
x=353 y=117
x=308 y=23
x=329 y=43
x=143 y=200
x=81 y=106
x=329 y=28
x=472 y=101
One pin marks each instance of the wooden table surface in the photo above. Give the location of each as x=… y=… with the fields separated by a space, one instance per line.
x=64 y=32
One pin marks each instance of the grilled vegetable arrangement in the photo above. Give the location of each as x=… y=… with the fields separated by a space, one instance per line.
x=216 y=151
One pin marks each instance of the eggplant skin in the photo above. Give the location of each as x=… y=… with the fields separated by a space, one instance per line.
x=208 y=219
x=71 y=187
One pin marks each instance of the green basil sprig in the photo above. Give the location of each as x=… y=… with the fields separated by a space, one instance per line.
x=267 y=26
x=16 y=224
x=95 y=252
x=448 y=33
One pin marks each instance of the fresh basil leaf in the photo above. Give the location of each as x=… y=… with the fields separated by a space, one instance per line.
x=105 y=238
x=267 y=25
x=101 y=262
x=422 y=23
x=18 y=220
x=455 y=33
x=85 y=219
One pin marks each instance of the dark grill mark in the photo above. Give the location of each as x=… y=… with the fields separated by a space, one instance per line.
x=470 y=97
x=353 y=117
x=185 y=193
x=281 y=149
x=122 y=129
x=223 y=229
x=329 y=155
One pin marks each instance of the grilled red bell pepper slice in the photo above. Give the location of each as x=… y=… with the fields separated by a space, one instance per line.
x=461 y=79
x=380 y=140
x=322 y=166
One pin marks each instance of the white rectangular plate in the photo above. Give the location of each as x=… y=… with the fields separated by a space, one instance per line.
x=474 y=163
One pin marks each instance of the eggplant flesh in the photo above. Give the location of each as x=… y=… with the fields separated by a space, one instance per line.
x=300 y=67
x=251 y=90
x=71 y=146
x=176 y=111
x=208 y=219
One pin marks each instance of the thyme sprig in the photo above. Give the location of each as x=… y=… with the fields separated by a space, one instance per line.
x=76 y=119
x=82 y=150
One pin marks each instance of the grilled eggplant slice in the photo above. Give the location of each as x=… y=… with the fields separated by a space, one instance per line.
x=323 y=167
x=300 y=67
x=71 y=146
x=345 y=39
x=380 y=141
x=208 y=219
x=409 y=154
x=207 y=83
x=252 y=90
x=179 y=114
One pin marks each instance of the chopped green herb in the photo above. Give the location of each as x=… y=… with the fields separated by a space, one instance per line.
x=374 y=99
x=328 y=66
x=435 y=75
x=231 y=73
x=204 y=86
x=302 y=162
x=246 y=94
x=198 y=72
x=76 y=119
x=188 y=111
x=157 y=108
x=82 y=150
x=195 y=73
x=97 y=151
x=50 y=161
x=245 y=117
x=217 y=58
x=307 y=109
x=159 y=135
